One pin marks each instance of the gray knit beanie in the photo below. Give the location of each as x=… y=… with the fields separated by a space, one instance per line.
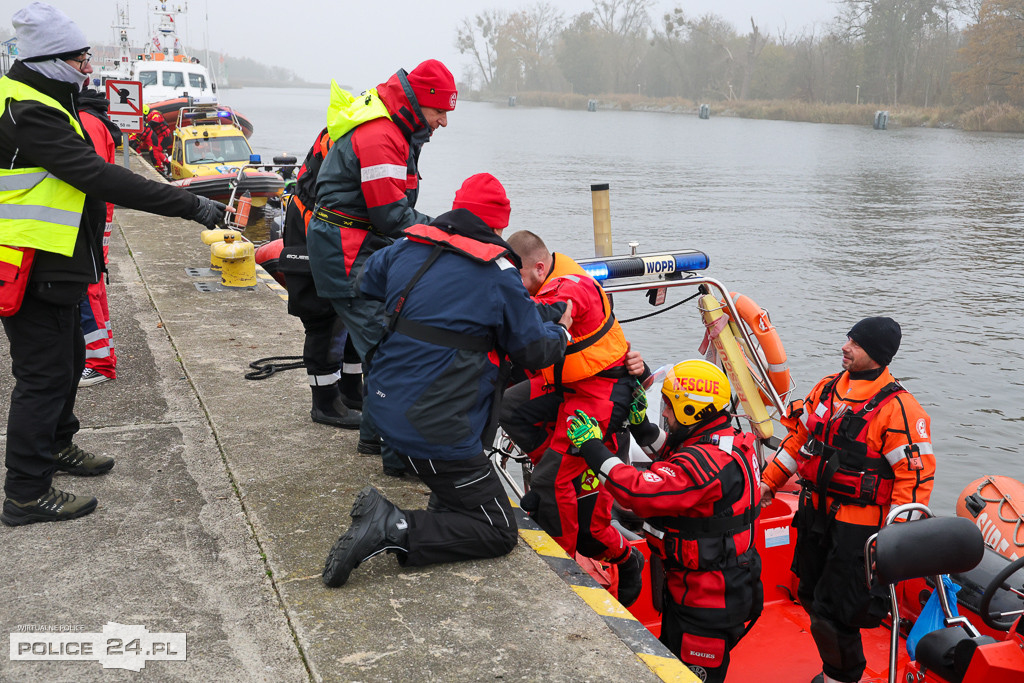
x=44 y=32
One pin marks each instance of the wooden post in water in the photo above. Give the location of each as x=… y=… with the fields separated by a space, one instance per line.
x=602 y=220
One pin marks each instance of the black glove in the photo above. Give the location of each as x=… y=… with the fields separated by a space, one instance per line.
x=209 y=212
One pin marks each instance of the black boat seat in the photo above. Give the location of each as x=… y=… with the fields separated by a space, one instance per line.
x=948 y=652
x=927 y=547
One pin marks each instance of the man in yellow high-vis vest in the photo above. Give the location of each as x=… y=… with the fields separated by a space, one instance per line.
x=53 y=189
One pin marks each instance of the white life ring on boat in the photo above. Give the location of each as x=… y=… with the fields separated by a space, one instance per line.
x=774 y=353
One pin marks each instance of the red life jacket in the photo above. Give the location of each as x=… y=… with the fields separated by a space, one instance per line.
x=718 y=537
x=842 y=465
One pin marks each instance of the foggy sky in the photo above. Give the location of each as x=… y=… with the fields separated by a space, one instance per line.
x=361 y=43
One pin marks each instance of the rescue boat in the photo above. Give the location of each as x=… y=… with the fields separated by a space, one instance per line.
x=208 y=156
x=170 y=109
x=985 y=644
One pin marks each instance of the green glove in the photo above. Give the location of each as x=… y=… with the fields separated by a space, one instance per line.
x=638 y=408
x=583 y=428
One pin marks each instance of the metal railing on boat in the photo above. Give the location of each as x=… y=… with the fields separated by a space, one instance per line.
x=504 y=451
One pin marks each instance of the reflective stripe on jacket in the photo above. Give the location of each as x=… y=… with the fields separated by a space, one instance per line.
x=37 y=209
x=597 y=341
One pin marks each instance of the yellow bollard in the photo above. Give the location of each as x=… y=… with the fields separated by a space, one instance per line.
x=602 y=220
x=239 y=262
x=214 y=237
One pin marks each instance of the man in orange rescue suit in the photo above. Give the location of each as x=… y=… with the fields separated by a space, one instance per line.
x=566 y=498
x=860 y=443
x=366 y=195
x=699 y=500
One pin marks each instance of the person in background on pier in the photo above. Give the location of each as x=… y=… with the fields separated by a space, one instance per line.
x=700 y=502
x=100 y=357
x=336 y=379
x=366 y=195
x=860 y=444
x=154 y=139
x=456 y=306
x=54 y=203
x=565 y=498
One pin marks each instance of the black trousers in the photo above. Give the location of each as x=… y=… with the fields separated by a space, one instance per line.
x=320 y=322
x=475 y=520
x=47 y=359
x=830 y=566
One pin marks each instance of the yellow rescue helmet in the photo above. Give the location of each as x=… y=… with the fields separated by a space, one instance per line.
x=145 y=110
x=696 y=390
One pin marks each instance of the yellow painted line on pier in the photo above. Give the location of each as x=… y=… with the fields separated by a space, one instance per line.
x=602 y=602
x=542 y=543
x=619 y=620
x=669 y=668
x=270 y=282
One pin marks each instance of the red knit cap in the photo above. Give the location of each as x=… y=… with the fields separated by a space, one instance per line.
x=434 y=85
x=485 y=197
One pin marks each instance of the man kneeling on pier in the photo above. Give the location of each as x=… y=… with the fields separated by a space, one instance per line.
x=456 y=306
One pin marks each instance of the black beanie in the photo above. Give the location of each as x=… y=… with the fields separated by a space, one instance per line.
x=879 y=337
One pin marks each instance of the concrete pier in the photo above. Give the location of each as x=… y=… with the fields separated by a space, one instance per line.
x=224 y=501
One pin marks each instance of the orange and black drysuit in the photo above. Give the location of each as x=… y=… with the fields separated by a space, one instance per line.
x=567 y=500
x=860 y=443
x=699 y=501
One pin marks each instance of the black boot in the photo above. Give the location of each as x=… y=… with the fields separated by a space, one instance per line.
x=329 y=409
x=351 y=386
x=377 y=525
x=631 y=579
x=351 y=382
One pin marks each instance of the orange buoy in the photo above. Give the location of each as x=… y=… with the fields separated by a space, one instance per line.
x=767 y=336
x=996 y=505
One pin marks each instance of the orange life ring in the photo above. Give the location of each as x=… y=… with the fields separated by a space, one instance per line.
x=757 y=321
x=996 y=504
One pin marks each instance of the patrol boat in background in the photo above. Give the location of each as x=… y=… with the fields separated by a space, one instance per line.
x=171 y=79
x=984 y=645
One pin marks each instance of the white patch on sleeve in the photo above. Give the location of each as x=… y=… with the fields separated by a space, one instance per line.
x=381 y=171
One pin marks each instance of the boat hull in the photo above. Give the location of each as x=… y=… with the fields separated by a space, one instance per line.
x=261 y=185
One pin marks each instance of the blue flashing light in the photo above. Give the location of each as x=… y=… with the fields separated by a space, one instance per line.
x=695 y=261
x=598 y=271
x=644 y=265
x=224 y=114
x=254 y=159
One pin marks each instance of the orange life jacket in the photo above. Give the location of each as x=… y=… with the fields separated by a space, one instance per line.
x=591 y=350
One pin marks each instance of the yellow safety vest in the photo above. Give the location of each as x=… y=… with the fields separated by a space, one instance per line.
x=37 y=209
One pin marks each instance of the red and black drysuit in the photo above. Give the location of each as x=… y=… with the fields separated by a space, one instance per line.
x=566 y=499
x=99 y=337
x=155 y=139
x=320 y=352
x=699 y=500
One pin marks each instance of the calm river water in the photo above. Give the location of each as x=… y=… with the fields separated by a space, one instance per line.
x=820 y=224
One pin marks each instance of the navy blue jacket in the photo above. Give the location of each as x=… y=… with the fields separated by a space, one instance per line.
x=432 y=401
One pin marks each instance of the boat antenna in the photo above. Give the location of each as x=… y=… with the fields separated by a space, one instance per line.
x=206 y=39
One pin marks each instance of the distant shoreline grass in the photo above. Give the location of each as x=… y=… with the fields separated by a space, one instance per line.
x=993 y=118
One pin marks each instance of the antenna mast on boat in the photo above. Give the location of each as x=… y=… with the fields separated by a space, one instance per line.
x=120 y=28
